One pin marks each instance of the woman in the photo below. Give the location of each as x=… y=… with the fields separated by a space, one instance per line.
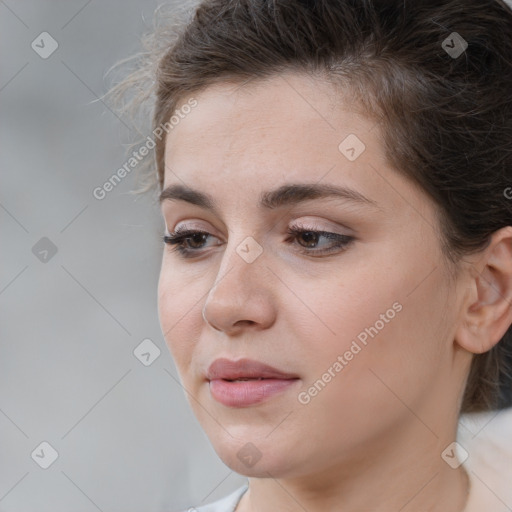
x=336 y=283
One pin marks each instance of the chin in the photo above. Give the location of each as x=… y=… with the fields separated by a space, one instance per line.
x=262 y=468
x=253 y=456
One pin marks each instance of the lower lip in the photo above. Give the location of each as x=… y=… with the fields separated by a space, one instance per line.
x=249 y=392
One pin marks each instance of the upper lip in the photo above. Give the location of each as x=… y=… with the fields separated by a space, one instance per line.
x=244 y=368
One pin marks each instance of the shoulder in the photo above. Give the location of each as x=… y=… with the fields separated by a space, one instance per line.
x=226 y=504
x=486 y=451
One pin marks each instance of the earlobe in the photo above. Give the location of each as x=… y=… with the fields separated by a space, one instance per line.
x=487 y=311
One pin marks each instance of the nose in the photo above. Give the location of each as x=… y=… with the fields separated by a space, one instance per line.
x=241 y=296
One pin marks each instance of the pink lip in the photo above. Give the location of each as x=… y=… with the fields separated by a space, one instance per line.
x=230 y=370
x=222 y=372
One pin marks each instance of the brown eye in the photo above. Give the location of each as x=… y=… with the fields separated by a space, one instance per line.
x=311 y=239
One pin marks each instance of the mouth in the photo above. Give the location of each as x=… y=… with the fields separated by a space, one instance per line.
x=243 y=379
x=246 y=382
x=244 y=369
x=248 y=392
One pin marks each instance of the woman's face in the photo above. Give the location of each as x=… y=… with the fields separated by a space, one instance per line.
x=365 y=323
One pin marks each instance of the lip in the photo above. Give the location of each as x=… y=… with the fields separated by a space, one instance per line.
x=266 y=382
x=244 y=368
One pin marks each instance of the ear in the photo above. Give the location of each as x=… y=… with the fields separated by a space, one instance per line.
x=487 y=310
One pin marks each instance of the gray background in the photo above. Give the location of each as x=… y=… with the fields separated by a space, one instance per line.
x=126 y=438
x=125 y=435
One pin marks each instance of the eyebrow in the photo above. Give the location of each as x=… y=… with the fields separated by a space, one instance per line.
x=286 y=195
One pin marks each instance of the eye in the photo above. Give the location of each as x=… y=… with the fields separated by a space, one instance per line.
x=189 y=243
x=186 y=240
x=311 y=238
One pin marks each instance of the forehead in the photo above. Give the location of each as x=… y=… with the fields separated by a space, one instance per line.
x=298 y=102
x=247 y=138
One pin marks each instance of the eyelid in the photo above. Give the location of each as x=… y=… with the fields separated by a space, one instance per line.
x=304 y=221
x=182 y=226
x=322 y=225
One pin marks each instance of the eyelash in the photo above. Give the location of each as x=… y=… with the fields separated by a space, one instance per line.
x=180 y=236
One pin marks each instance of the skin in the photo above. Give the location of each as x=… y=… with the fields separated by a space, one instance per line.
x=383 y=421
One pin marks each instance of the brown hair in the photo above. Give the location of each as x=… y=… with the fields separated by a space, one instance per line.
x=444 y=108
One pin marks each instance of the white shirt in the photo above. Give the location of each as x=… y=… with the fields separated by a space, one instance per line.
x=487 y=440
x=485 y=449
x=226 y=504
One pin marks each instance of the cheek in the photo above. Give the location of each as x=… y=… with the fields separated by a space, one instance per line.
x=389 y=353
x=179 y=307
x=379 y=319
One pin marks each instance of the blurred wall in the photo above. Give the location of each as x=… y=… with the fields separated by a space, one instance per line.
x=78 y=283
